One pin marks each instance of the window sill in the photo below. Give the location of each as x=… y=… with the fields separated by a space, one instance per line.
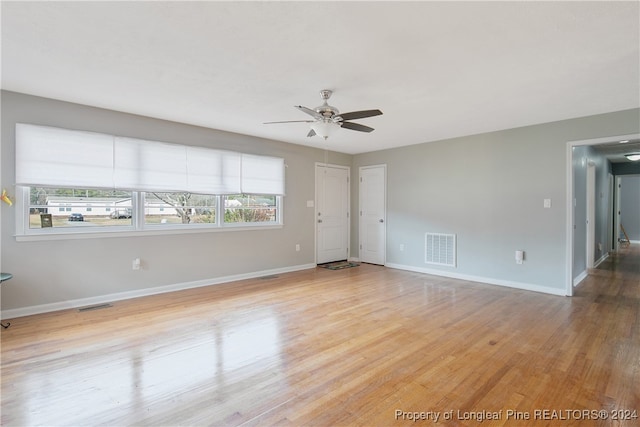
x=151 y=231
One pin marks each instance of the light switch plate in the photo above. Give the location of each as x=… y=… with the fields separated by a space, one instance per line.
x=547 y=203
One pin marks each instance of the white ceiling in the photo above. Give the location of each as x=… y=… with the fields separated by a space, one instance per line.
x=436 y=69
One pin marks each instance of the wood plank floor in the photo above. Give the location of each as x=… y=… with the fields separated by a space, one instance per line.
x=362 y=346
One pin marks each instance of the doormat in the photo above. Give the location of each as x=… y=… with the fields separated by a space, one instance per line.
x=338 y=265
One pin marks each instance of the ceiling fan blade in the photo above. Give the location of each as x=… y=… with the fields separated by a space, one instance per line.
x=360 y=114
x=311 y=133
x=310 y=112
x=290 y=121
x=356 y=126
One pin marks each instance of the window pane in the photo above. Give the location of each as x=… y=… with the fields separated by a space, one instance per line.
x=74 y=207
x=179 y=208
x=247 y=208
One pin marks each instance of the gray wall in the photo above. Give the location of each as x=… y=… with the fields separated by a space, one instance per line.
x=580 y=161
x=582 y=157
x=630 y=206
x=55 y=271
x=603 y=202
x=489 y=190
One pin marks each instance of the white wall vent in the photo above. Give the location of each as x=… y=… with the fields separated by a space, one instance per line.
x=440 y=249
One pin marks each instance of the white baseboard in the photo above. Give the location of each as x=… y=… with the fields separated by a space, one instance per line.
x=602 y=258
x=480 y=279
x=580 y=278
x=118 y=296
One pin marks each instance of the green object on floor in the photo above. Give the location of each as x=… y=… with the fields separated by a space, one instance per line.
x=4 y=277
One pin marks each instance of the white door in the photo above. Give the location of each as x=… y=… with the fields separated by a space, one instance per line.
x=373 y=214
x=332 y=213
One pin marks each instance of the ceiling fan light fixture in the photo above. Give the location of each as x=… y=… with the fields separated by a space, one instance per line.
x=327 y=119
x=324 y=129
x=634 y=157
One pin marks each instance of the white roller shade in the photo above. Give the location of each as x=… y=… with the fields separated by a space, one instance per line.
x=150 y=165
x=213 y=171
x=48 y=156
x=262 y=175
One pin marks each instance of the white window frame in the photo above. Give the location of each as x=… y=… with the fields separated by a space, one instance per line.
x=137 y=227
x=143 y=226
x=244 y=225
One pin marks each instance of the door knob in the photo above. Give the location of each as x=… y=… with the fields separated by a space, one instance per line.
x=319 y=221
x=381 y=220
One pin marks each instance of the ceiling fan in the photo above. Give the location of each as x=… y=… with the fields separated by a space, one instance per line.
x=327 y=119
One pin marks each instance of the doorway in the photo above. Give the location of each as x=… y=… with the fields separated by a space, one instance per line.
x=576 y=210
x=332 y=213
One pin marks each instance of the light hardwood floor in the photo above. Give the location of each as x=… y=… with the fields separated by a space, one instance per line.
x=362 y=346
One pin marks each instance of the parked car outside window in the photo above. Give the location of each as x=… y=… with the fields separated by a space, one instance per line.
x=117 y=214
x=76 y=217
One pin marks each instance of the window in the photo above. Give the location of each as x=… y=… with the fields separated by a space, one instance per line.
x=73 y=207
x=82 y=210
x=86 y=182
x=250 y=208
x=179 y=208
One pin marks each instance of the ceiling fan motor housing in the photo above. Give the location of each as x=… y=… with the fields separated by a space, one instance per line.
x=327 y=111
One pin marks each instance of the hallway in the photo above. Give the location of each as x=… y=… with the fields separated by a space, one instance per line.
x=619 y=275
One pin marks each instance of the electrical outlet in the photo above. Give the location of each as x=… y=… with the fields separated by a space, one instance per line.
x=519 y=257
x=401 y=247
x=297 y=247
x=135 y=265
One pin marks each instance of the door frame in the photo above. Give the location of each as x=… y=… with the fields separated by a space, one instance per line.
x=591 y=214
x=616 y=213
x=610 y=212
x=315 y=204
x=570 y=208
